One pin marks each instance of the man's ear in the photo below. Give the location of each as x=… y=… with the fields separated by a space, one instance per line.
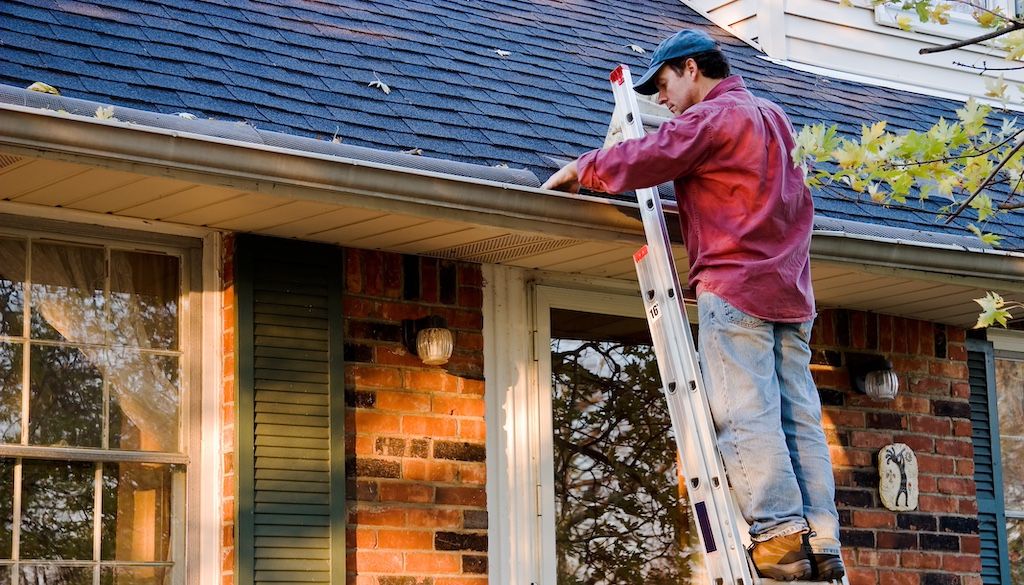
x=691 y=69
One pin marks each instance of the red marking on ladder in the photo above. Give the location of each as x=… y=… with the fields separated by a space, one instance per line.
x=617 y=76
x=639 y=254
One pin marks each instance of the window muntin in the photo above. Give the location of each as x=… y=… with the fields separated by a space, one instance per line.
x=92 y=449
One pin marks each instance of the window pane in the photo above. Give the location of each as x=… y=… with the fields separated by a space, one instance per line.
x=144 y=401
x=135 y=575
x=12 y=287
x=144 y=299
x=136 y=512
x=1015 y=546
x=1010 y=389
x=6 y=511
x=1013 y=471
x=619 y=516
x=65 y=398
x=10 y=392
x=67 y=293
x=55 y=575
x=57 y=512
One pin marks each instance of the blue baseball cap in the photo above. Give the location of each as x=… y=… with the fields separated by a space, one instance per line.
x=682 y=44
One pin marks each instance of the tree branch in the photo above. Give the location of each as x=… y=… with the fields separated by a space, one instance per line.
x=1009 y=206
x=974 y=40
x=984 y=67
x=985 y=183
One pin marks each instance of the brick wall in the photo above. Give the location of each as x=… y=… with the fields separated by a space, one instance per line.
x=937 y=544
x=415 y=434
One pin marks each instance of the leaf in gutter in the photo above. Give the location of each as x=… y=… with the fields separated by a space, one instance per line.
x=336 y=139
x=185 y=115
x=106 y=113
x=414 y=151
x=43 y=87
x=501 y=166
x=636 y=48
x=378 y=83
x=502 y=53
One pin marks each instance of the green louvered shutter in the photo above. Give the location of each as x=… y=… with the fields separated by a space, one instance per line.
x=987 y=463
x=291 y=522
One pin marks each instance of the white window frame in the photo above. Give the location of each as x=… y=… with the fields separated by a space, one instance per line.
x=517 y=367
x=201 y=336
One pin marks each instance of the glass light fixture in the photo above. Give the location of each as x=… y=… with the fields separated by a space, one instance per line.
x=430 y=339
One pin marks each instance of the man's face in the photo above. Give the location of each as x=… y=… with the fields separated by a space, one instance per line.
x=677 y=88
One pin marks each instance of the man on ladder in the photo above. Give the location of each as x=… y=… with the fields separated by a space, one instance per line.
x=747 y=217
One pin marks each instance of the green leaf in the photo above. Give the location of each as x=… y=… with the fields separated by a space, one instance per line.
x=983 y=203
x=988 y=238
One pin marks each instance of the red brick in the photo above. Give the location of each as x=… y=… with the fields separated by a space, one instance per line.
x=427 y=470
x=466 y=319
x=948 y=369
x=355 y=307
x=926 y=484
x=920 y=560
x=961 y=563
x=873 y=519
x=906 y=365
x=458 y=405
x=926 y=338
x=374 y=377
x=931 y=425
x=392 y=276
x=969 y=507
x=472 y=474
x=365 y=421
x=885 y=333
x=859 y=329
x=461 y=581
x=827 y=334
x=430 y=426
x=462 y=496
x=471 y=275
x=932 y=386
x=378 y=561
x=364 y=444
x=919 y=443
x=396 y=355
x=961 y=390
x=428 y=280
x=962 y=428
x=353 y=274
x=399 y=311
x=965 y=467
x=470 y=297
x=472 y=430
x=414 y=493
x=911 y=403
x=430 y=381
x=859 y=576
x=403 y=401
x=850 y=457
x=377 y=516
x=842 y=418
x=899 y=337
x=406 y=539
x=829 y=377
x=361 y=538
x=869 y=439
x=468 y=340
x=928 y=503
x=899 y=577
x=434 y=518
x=970 y=545
x=956 y=448
x=956 y=351
x=433 y=563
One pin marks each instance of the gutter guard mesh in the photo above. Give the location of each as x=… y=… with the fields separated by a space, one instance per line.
x=243 y=132
x=502 y=249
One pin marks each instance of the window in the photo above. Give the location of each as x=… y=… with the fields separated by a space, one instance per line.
x=1009 y=373
x=962 y=24
x=93 y=433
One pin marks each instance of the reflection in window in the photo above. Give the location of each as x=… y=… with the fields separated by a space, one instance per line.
x=619 y=516
x=103 y=372
x=1010 y=392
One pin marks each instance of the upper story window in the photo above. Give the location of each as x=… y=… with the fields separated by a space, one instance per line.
x=962 y=23
x=93 y=432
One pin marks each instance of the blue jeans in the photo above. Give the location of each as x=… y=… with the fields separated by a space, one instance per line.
x=768 y=417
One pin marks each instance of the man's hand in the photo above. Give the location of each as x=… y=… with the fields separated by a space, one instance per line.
x=566 y=179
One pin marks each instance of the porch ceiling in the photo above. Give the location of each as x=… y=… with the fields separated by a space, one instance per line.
x=37 y=183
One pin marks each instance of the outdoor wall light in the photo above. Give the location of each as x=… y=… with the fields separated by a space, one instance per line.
x=429 y=338
x=873 y=375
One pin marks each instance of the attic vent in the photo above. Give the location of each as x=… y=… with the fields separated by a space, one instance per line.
x=7 y=160
x=503 y=248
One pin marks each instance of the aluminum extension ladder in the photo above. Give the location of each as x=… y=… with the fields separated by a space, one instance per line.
x=722 y=530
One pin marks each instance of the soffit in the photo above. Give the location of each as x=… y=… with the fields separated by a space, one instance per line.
x=31 y=183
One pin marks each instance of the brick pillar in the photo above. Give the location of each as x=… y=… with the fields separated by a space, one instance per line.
x=938 y=543
x=415 y=433
x=229 y=317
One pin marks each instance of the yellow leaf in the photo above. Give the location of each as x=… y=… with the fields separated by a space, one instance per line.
x=992 y=311
x=43 y=87
x=903 y=21
x=996 y=88
x=985 y=19
x=106 y=113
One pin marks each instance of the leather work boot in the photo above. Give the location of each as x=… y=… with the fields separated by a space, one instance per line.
x=826 y=567
x=782 y=558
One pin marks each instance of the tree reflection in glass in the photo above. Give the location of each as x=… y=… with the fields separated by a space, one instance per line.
x=11 y=356
x=6 y=512
x=12 y=286
x=619 y=517
x=55 y=575
x=57 y=510
x=136 y=512
x=67 y=293
x=144 y=290
x=65 y=398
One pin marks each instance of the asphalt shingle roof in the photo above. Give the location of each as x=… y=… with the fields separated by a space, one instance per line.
x=304 y=69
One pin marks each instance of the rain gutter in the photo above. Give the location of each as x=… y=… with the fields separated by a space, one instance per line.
x=301 y=175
